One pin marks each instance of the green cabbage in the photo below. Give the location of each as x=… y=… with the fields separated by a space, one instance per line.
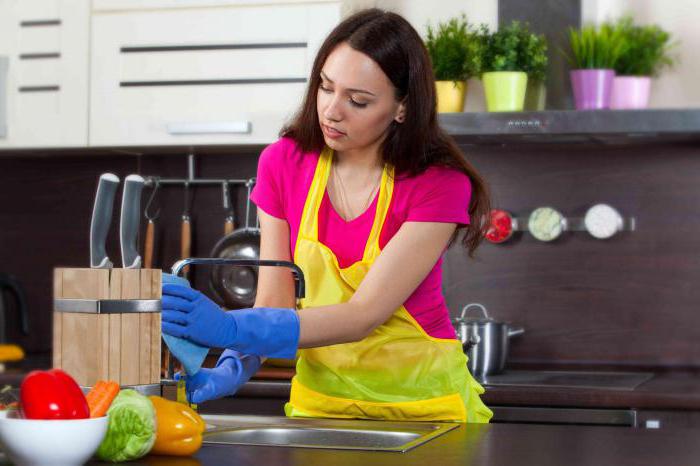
x=132 y=428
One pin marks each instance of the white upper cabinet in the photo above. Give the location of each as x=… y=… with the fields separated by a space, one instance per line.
x=215 y=75
x=115 y=5
x=43 y=89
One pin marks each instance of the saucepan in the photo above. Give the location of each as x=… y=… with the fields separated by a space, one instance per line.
x=236 y=287
x=484 y=340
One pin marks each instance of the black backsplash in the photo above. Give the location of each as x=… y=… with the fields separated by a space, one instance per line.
x=630 y=300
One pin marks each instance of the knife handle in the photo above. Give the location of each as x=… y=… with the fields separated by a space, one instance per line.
x=228 y=225
x=185 y=241
x=148 y=247
x=101 y=219
x=129 y=224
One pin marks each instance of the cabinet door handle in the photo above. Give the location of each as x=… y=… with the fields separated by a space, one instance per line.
x=4 y=65
x=222 y=127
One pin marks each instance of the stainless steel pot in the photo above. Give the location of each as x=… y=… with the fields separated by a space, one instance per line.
x=484 y=340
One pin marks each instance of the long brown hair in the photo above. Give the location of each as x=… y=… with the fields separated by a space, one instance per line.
x=417 y=143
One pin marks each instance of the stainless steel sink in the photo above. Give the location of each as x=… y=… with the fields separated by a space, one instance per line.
x=321 y=433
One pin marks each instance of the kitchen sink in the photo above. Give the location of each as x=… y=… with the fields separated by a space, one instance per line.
x=321 y=433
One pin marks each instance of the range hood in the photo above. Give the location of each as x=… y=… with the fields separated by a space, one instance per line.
x=567 y=126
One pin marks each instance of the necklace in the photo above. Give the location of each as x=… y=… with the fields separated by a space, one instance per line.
x=347 y=213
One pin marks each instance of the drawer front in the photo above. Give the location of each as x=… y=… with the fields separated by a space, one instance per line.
x=46 y=85
x=208 y=76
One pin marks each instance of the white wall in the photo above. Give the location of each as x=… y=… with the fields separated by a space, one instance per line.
x=678 y=86
x=421 y=12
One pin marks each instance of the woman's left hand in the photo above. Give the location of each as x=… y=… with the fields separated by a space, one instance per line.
x=188 y=313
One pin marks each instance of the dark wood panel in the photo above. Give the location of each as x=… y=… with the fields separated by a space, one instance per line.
x=45 y=217
x=630 y=300
x=625 y=301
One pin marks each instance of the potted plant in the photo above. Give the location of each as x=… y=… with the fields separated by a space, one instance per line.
x=508 y=55
x=646 y=53
x=454 y=52
x=595 y=53
x=535 y=61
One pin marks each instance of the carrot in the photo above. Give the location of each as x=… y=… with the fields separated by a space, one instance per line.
x=100 y=397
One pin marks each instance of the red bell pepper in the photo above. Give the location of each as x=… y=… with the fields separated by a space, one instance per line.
x=52 y=394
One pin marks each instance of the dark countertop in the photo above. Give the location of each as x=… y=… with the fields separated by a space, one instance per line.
x=671 y=389
x=484 y=445
x=665 y=390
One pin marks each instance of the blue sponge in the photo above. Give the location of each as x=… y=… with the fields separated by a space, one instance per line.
x=190 y=354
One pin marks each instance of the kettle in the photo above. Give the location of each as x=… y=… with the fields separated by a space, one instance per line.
x=11 y=287
x=484 y=340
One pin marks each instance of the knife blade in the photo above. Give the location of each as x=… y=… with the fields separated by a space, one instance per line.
x=101 y=219
x=129 y=222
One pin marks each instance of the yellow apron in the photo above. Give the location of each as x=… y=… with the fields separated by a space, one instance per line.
x=398 y=372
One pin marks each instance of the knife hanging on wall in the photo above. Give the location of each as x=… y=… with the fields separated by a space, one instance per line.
x=129 y=222
x=101 y=219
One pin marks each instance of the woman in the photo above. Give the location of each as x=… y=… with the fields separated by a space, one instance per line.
x=364 y=192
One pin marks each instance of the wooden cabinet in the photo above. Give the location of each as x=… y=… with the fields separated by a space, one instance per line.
x=44 y=90
x=219 y=75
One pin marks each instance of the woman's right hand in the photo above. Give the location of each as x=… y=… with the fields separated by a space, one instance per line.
x=232 y=371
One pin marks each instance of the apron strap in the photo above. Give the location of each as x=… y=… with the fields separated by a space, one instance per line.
x=309 y=217
x=386 y=190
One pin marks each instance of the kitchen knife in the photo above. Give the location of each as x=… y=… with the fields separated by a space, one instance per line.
x=129 y=222
x=101 y=219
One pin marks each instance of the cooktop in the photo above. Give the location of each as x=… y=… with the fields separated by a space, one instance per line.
x=569 y=379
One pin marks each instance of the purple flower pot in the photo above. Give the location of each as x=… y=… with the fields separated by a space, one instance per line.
x=592 y=88
x=630 y=92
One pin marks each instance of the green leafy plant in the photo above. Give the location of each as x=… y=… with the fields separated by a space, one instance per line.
x=596 y=47
x=533 y=55
x=647 y=49
x=514 y=48
x=454 y=50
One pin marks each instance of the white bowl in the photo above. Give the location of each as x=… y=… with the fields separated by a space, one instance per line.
x=68 y=442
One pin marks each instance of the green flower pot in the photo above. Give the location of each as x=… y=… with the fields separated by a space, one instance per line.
x=505 y=90
x=535 y=96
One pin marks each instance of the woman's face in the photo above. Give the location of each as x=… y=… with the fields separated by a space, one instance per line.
x=355 y=101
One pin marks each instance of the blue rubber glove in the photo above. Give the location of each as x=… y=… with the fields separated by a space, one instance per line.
x=232 y=371
x=270 y=332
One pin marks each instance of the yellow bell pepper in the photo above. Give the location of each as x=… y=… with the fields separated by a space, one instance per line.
x=11 y=353
x=179 y=430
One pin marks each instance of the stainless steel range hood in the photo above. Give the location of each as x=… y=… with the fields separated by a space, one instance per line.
x=566 y=126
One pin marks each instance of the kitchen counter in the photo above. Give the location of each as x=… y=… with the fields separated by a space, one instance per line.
x=672 y=390
x=668 y=390
x=484 y=445
x=665 y=390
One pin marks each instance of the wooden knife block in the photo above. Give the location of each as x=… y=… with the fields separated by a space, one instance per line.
x=124 y=347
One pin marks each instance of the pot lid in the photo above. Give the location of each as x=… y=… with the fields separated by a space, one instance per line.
x=483 y=318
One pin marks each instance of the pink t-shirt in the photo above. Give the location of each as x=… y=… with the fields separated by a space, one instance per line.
x=439 y=194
